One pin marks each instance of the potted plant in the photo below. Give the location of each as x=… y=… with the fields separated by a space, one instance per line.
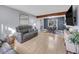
x=75 y=39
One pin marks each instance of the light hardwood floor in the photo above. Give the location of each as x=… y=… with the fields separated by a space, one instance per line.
x=44 y=43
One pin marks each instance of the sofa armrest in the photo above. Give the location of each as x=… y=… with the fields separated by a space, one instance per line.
x=69 y=45
x=18 y=37
x=7 y=49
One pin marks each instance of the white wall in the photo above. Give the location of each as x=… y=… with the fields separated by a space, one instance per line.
x=33 y=20
x=38 y=25
x=78 y=17
x=9 y=19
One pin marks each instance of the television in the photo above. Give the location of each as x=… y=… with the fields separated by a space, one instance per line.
x=70 y=19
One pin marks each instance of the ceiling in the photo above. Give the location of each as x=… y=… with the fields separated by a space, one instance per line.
x=37 y=10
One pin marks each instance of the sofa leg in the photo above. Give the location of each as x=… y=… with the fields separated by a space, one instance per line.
x=69 y=52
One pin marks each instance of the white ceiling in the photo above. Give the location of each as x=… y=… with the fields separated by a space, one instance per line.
x=40 y=9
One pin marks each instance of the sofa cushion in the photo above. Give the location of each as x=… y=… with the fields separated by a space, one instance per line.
x=23 y=28
x=5 y=47
x=10 y=52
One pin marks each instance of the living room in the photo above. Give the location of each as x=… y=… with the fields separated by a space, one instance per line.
x=36 y=29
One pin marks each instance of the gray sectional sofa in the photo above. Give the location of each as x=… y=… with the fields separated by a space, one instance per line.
x=25 y=33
